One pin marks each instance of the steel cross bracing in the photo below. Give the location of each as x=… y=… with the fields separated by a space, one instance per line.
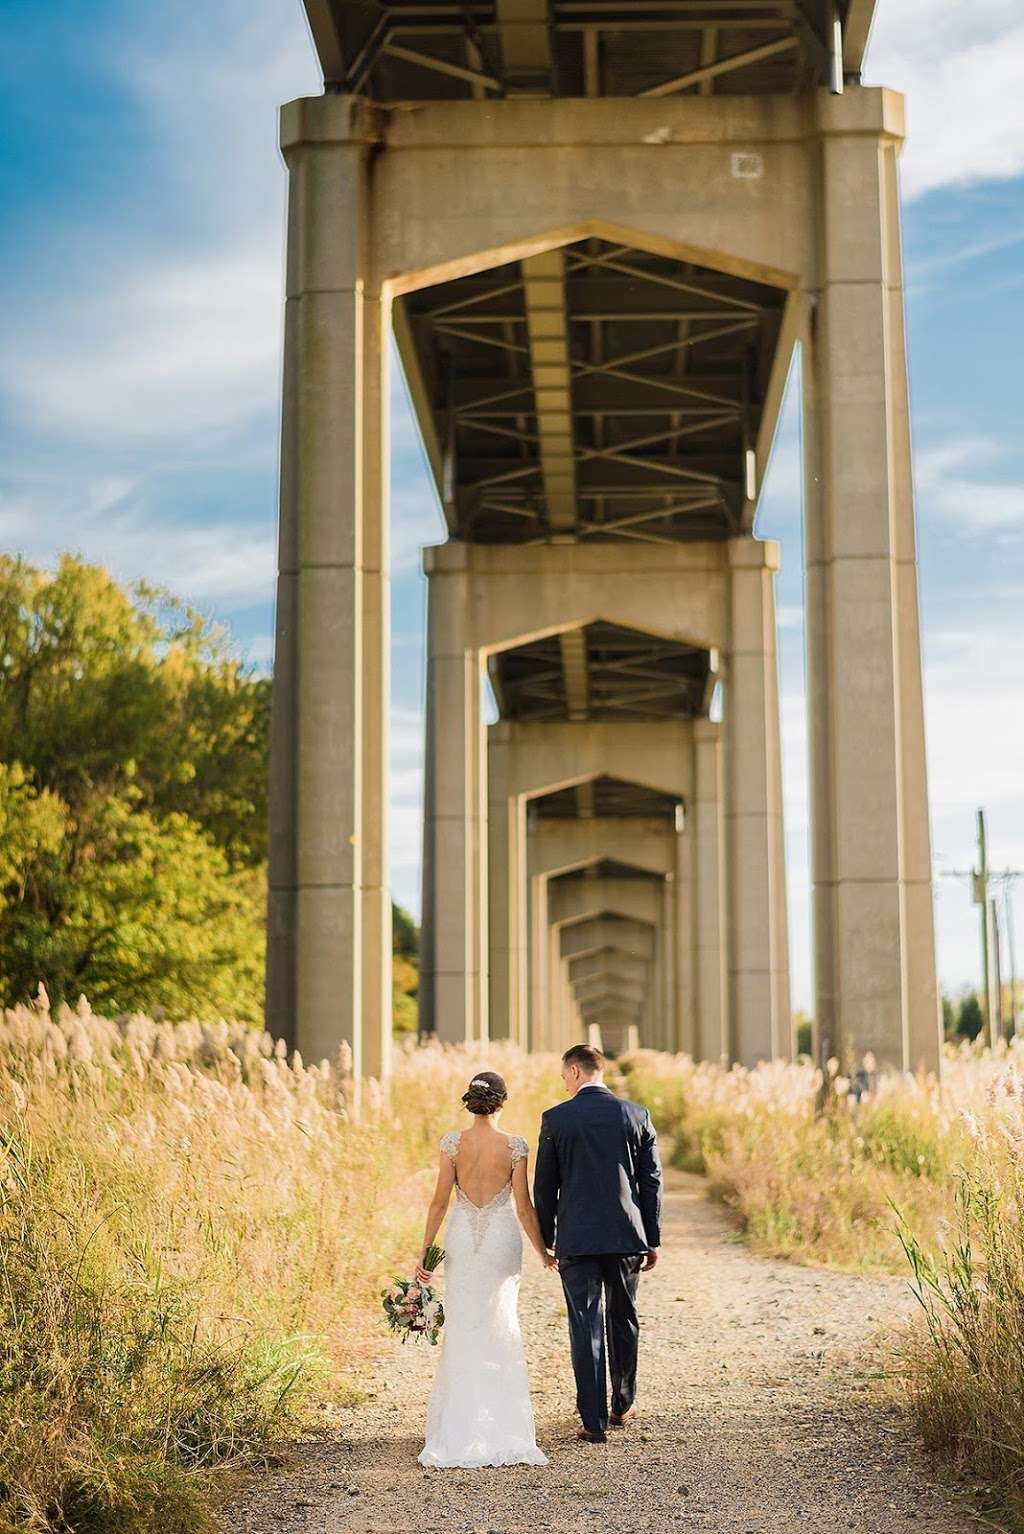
x=611 y=868
x=412 y=50
x=598 y=391
x=601 y=671
x=611 y=797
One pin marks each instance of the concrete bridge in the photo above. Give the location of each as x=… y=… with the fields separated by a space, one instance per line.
x=597 y=232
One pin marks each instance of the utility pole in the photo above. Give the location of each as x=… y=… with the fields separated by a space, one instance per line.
x=1011 y=948
x=981 y=899
x=985 y=886
x=997 y=971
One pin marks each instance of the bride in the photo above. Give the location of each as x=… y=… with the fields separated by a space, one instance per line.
x=479 y=1411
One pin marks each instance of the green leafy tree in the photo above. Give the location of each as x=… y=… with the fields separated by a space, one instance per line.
x=405 y=937
x=102 y=689
x=948 y=1017
x=970 y=1020
x=133 y=804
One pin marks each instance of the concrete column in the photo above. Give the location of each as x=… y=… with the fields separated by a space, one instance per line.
x=756 y=895
x=328 y=967
x=667 y=998
x=506 y=890
x=453 y=976
x=711 y=977
x=537 y=961
x=571 y=1018
x=684 y=1037
x=872 y=901
x=557 y=1004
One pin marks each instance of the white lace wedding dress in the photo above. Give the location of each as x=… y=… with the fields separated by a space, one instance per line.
x=479 y=1411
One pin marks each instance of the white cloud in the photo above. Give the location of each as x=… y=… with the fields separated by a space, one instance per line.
x=138 y=343
x=975 y=740
x=171 y=351
x=975 y=735
x=973 y=503
x=105 y=521
x=942 y=261
x=960 y=68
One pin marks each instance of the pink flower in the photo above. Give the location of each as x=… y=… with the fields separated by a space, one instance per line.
x=413 y=1293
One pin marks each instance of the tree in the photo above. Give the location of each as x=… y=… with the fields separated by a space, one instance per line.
x=803 y=1033
x=948 y=1017
x=103 y=689
x=133 y=809
x=144 y=915
x=405 y=937
x=134 y=755
x=971 y=1020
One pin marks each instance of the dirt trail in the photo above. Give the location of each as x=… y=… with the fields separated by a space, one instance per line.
x=755 y=1411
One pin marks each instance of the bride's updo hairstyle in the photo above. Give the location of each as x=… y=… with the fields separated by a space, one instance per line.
x=486 y=1093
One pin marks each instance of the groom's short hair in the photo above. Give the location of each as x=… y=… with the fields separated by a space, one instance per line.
x=586 y=1057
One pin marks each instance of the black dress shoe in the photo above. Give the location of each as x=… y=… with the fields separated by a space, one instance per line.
x=586 y=1436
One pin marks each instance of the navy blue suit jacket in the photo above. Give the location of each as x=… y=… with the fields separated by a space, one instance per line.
x=597 y=1184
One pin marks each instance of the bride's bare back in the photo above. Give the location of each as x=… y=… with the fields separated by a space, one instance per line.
x=484 y=1163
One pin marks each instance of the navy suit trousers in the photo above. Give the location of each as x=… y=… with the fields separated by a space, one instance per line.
x=600 y=1293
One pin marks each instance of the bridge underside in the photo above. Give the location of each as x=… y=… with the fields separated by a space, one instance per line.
x=411 y=50
x=599 y=230
x=597 y=392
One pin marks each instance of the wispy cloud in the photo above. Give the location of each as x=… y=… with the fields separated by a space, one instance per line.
x=104 y=521
x=962 y=255
x=175 y=351
x=953 y=484
x=960 y=68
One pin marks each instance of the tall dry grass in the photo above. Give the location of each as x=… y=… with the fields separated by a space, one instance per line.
x=192 y=1233
x=872 y=1172
x=965 y=1372
x=814 y=1166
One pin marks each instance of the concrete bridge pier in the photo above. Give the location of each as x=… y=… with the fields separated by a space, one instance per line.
x=871 y=860
x=721 y=981
x=453 y=991
x=710 y=956
x=755 y=850
x=329 y=916
x=597 y=257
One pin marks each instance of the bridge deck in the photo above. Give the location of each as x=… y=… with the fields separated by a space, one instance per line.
x=412 y=50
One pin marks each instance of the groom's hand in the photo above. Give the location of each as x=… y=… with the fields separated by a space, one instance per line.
x=551 y=1261
x=650 y=1260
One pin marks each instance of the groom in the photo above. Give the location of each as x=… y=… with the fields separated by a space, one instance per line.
x=597 y=1191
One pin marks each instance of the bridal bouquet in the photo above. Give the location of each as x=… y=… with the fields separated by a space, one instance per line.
x=413 y=1309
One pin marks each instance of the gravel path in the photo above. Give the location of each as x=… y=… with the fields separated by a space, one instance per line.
x=756 y=1412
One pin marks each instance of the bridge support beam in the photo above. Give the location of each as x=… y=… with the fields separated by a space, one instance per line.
x=759 y=1008
x=486 y=928
x=796 y=193
x=329 y=927
x=453 y=975
x=710 y=957
x=873 y=923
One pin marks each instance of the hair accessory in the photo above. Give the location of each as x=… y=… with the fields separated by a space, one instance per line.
x=478 y=1081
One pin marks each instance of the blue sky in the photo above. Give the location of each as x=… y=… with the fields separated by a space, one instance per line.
x=140 y=332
